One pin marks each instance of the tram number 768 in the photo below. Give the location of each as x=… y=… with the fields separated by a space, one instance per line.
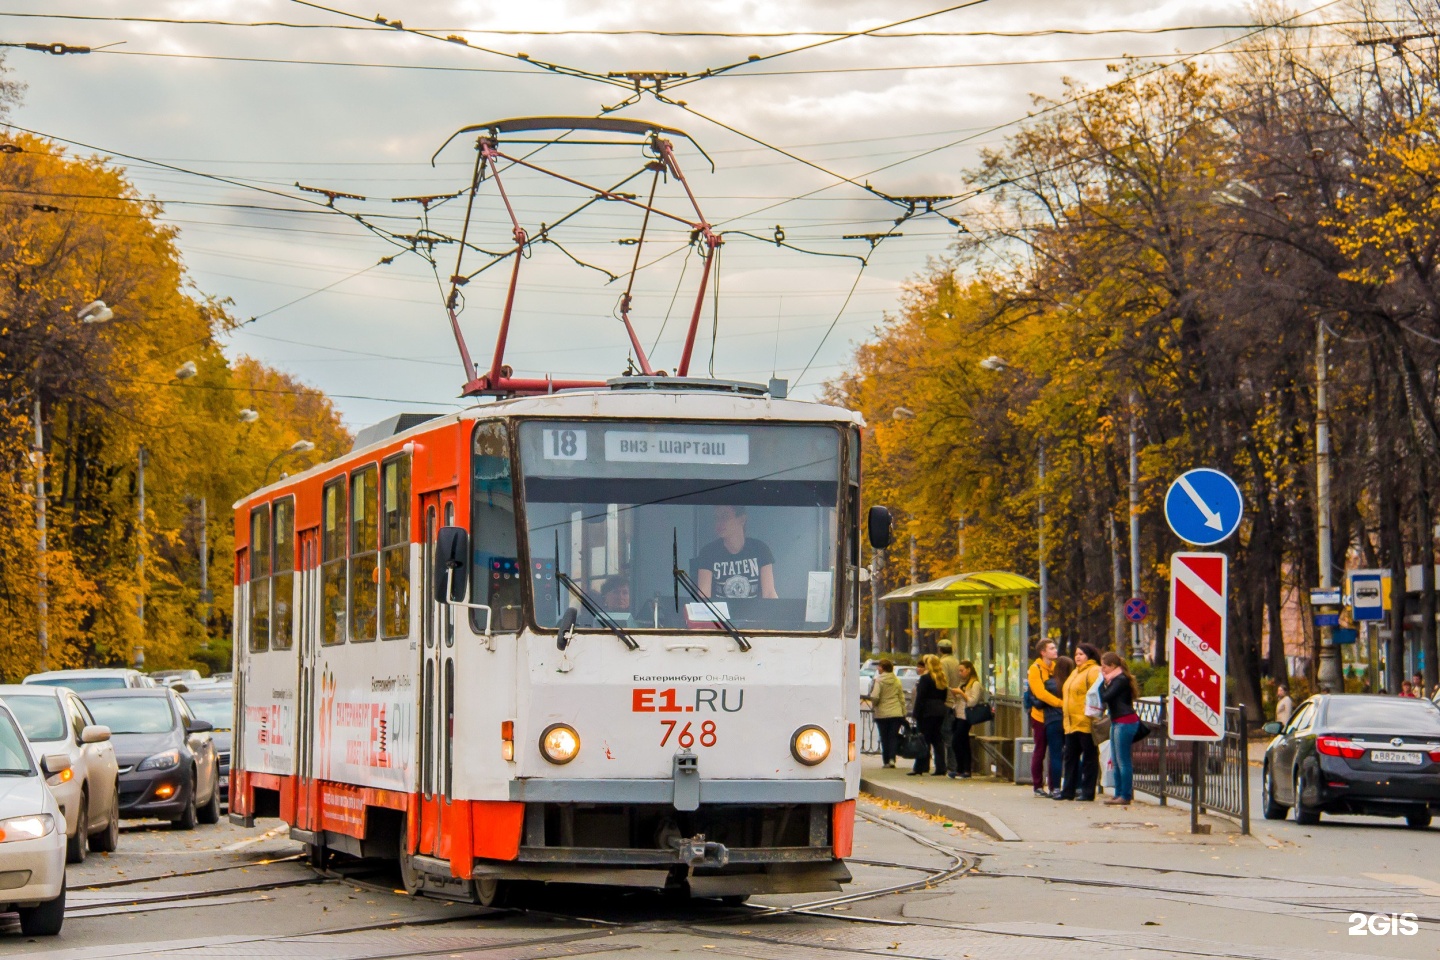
x=685 y=733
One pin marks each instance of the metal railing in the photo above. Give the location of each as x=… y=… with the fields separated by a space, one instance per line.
x=869 y=735
x=1208 y=776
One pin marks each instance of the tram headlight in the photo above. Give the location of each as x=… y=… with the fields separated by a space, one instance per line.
x=810 y=745
x=560 y=743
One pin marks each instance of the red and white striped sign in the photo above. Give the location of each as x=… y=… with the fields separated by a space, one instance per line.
x=1196 y=645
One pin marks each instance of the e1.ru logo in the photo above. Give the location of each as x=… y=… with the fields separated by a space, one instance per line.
x=1382 y=924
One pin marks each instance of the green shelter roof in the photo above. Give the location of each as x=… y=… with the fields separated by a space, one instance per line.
x=963 y=586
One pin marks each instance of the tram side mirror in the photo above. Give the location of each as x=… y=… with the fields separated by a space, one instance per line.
x=452 y=565
x=878 y=526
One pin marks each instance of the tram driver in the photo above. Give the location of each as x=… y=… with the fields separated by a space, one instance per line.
x=615 y=597
x=735 y=567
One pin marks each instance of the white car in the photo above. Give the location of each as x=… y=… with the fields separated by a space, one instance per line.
x=32 y=843
x=88 y=681
x=55 y=721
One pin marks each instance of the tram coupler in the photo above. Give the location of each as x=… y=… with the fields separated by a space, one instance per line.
x=696 y=851
x=686 y=776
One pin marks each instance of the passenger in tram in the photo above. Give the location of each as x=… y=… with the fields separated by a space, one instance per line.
x=736 y=566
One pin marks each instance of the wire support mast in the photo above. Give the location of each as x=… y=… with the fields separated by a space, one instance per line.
x=491 y=162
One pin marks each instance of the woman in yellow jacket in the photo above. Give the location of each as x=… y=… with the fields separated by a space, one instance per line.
x=887 y=703
x=1049 y=737
x=1082 y=759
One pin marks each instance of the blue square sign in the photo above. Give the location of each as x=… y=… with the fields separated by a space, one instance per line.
x=1367 y=601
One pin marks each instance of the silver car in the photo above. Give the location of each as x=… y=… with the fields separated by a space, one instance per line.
x=56 y=722
x=32 y=845
x=88 y=681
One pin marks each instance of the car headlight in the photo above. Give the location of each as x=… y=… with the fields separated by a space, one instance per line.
x=161 y=761
x=810 y=745
x=559 y=743
x=26 y=828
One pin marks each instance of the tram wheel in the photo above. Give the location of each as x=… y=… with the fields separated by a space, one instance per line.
x=410 y=876
x=491 y=892
x=317 y=855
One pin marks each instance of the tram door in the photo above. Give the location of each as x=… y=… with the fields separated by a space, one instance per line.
x=307 y=624
x=437 y=683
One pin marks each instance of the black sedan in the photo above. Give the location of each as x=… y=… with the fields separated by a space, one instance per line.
x=168 y=764
x=1351 y=753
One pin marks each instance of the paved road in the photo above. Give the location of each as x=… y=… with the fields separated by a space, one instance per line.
x=1120 y=886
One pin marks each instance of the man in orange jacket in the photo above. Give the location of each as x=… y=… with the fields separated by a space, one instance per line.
x=1041 y=670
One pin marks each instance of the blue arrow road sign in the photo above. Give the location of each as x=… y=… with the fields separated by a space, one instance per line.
x=1203 y=506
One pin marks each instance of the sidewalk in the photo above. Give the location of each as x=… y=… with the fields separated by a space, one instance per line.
x=1010 y=812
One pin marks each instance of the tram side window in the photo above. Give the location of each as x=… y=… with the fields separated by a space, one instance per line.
x=495 y=566
x=364 y=575
x=332 y=565
x=282 y=581
x=260 y=579
x=852 y=536
x=395 y=548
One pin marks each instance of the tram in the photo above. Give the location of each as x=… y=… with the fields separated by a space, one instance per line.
x=513 y=644
x=596 y=632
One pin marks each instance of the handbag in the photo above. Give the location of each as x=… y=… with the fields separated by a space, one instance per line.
x=912 y=743
x=980 y=713
x=1094 y=706
x=1142 y=730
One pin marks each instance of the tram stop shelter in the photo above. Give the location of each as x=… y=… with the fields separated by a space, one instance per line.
x=987 y=618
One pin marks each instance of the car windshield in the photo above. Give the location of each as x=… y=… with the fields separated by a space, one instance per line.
x=218 y=711
x=133 y=714
x=1382 y=715
x=83 y=684
x=39 y=715
x=748 y=513
x=14 y=758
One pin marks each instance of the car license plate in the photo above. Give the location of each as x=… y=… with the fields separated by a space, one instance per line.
x=1414 y=757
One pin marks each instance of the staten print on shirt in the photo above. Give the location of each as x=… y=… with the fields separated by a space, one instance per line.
x=735 y=576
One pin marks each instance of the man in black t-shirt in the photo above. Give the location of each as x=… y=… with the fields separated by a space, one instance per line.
x=735 y=567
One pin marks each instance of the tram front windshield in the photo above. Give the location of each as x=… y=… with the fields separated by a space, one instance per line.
x=747 y=513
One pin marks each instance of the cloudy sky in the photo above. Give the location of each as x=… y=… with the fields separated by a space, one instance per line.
x=365 y=111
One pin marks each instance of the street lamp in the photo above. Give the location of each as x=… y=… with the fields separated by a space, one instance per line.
x=995 y=363
x=902 y=413
x=248 y=416
x=95 y=311
x=299 y=446
x=187 y=370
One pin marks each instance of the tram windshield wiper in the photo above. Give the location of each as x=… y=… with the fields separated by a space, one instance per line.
x=682 y=579
x=595 y=610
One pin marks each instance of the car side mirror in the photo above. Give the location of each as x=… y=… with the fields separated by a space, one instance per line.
x=199 y=726
x=54 y=763
x=94 y=733
x=1273 y=728
x=878 y=527
x=452 y=565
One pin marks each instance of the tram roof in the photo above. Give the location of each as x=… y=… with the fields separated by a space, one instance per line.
x=963 y=586
x=680 y=403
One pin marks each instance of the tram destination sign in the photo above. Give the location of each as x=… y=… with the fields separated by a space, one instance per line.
x=1198 y=583
x=635 y=446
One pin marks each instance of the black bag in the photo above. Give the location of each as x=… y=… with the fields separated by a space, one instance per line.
x=912 y=743
x=1142 y=730
x=980 y=713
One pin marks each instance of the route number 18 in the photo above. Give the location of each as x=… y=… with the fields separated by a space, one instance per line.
x=563 y=444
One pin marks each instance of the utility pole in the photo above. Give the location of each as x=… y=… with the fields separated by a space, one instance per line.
x=1134 y=528
x=1329 y=672
x=205 y=595
x=140 y=560
x=877 y=642
x=42 y=573
x=914 y=607
x=1044 y=580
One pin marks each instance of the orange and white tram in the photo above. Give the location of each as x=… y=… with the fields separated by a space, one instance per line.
x=603 y=636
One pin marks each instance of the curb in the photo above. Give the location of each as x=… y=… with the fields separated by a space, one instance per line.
x=986 y=823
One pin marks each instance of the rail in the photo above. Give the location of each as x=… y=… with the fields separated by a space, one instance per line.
x=1212 y=777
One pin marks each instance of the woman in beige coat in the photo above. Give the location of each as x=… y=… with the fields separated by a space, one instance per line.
x=1082 y=759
